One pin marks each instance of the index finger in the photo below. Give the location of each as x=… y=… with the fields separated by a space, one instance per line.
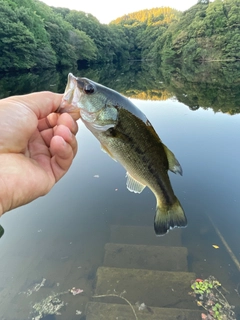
x=41 y=103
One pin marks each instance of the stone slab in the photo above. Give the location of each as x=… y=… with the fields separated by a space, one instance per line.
x=154 y=288
x=107 y=311
x=162 y=258
x=144 y=235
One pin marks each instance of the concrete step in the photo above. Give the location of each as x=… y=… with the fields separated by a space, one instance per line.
x=146 y=257
x=108 y=311
x=155 y=288
x=144 y=235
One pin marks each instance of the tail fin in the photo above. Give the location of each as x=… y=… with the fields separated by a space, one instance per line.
x=168 y=218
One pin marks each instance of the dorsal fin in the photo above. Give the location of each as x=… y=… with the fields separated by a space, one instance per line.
x=173 y=164
x=133 y=185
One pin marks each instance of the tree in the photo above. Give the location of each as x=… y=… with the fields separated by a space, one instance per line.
x=17 y=42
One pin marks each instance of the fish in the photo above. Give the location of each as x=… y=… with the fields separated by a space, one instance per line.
x=128 y=137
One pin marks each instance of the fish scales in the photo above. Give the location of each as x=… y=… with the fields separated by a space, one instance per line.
x=138 y=148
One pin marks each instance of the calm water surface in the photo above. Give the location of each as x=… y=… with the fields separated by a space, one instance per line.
x=57 y=242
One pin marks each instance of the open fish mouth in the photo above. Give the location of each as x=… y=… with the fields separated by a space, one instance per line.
x=71 y=96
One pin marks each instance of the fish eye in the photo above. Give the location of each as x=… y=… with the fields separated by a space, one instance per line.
x=88 y=89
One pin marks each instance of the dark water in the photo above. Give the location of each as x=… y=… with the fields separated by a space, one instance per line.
x=61 y=237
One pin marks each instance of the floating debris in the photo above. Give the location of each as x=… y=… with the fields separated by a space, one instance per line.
x=75 y=291
x=215 y=246
x=118 y=296
x=96 y=176
x=209 y=296
x=141 y=306
x=78 y=312
x=48 y=306
x=36 y=288
x=238 y=289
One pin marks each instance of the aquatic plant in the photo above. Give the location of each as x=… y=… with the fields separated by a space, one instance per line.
x=48 y=306
x=208 y=295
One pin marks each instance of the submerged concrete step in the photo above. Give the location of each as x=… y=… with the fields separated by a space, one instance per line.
x=154 y=288
x=108 y=311
x=163 y=258
x=144 y=235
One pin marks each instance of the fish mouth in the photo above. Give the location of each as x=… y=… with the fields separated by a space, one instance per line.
x=71 y=96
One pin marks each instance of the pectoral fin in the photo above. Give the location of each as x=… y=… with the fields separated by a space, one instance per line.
x=173 y=164
x=105 y=149
x=133 y=185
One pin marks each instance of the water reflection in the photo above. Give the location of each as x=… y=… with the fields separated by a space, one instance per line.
x=214 y=86
x=62 y=237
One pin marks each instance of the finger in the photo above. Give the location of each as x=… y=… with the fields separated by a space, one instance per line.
x=49 y=122
x=63 y=156
x=67 y=135
x=56 y=119
x=66 y=120
x=41 y=103
x=47 y=136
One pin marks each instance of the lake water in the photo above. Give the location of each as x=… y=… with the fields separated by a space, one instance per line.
x=58 y=241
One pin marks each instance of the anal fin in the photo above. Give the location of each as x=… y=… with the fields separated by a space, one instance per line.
x=133 y=185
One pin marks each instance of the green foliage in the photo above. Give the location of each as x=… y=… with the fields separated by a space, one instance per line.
x=207 y=31
x=17 y=44
x=36 y=36
x=32 y=35
x=145 y=28
x=109 y=42
x=159 y=16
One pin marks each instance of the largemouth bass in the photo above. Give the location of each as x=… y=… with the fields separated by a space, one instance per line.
x=128 y=137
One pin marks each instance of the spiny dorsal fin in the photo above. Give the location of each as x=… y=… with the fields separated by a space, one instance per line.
x=133 y=185
x=173 y=164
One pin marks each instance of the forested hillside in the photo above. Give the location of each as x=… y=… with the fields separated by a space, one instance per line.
x=163 y=15
x=207 y=31
x=36 y=36
x=33 y=35
x=144 y=27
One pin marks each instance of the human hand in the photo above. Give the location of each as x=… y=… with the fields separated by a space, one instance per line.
x=37 y=147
